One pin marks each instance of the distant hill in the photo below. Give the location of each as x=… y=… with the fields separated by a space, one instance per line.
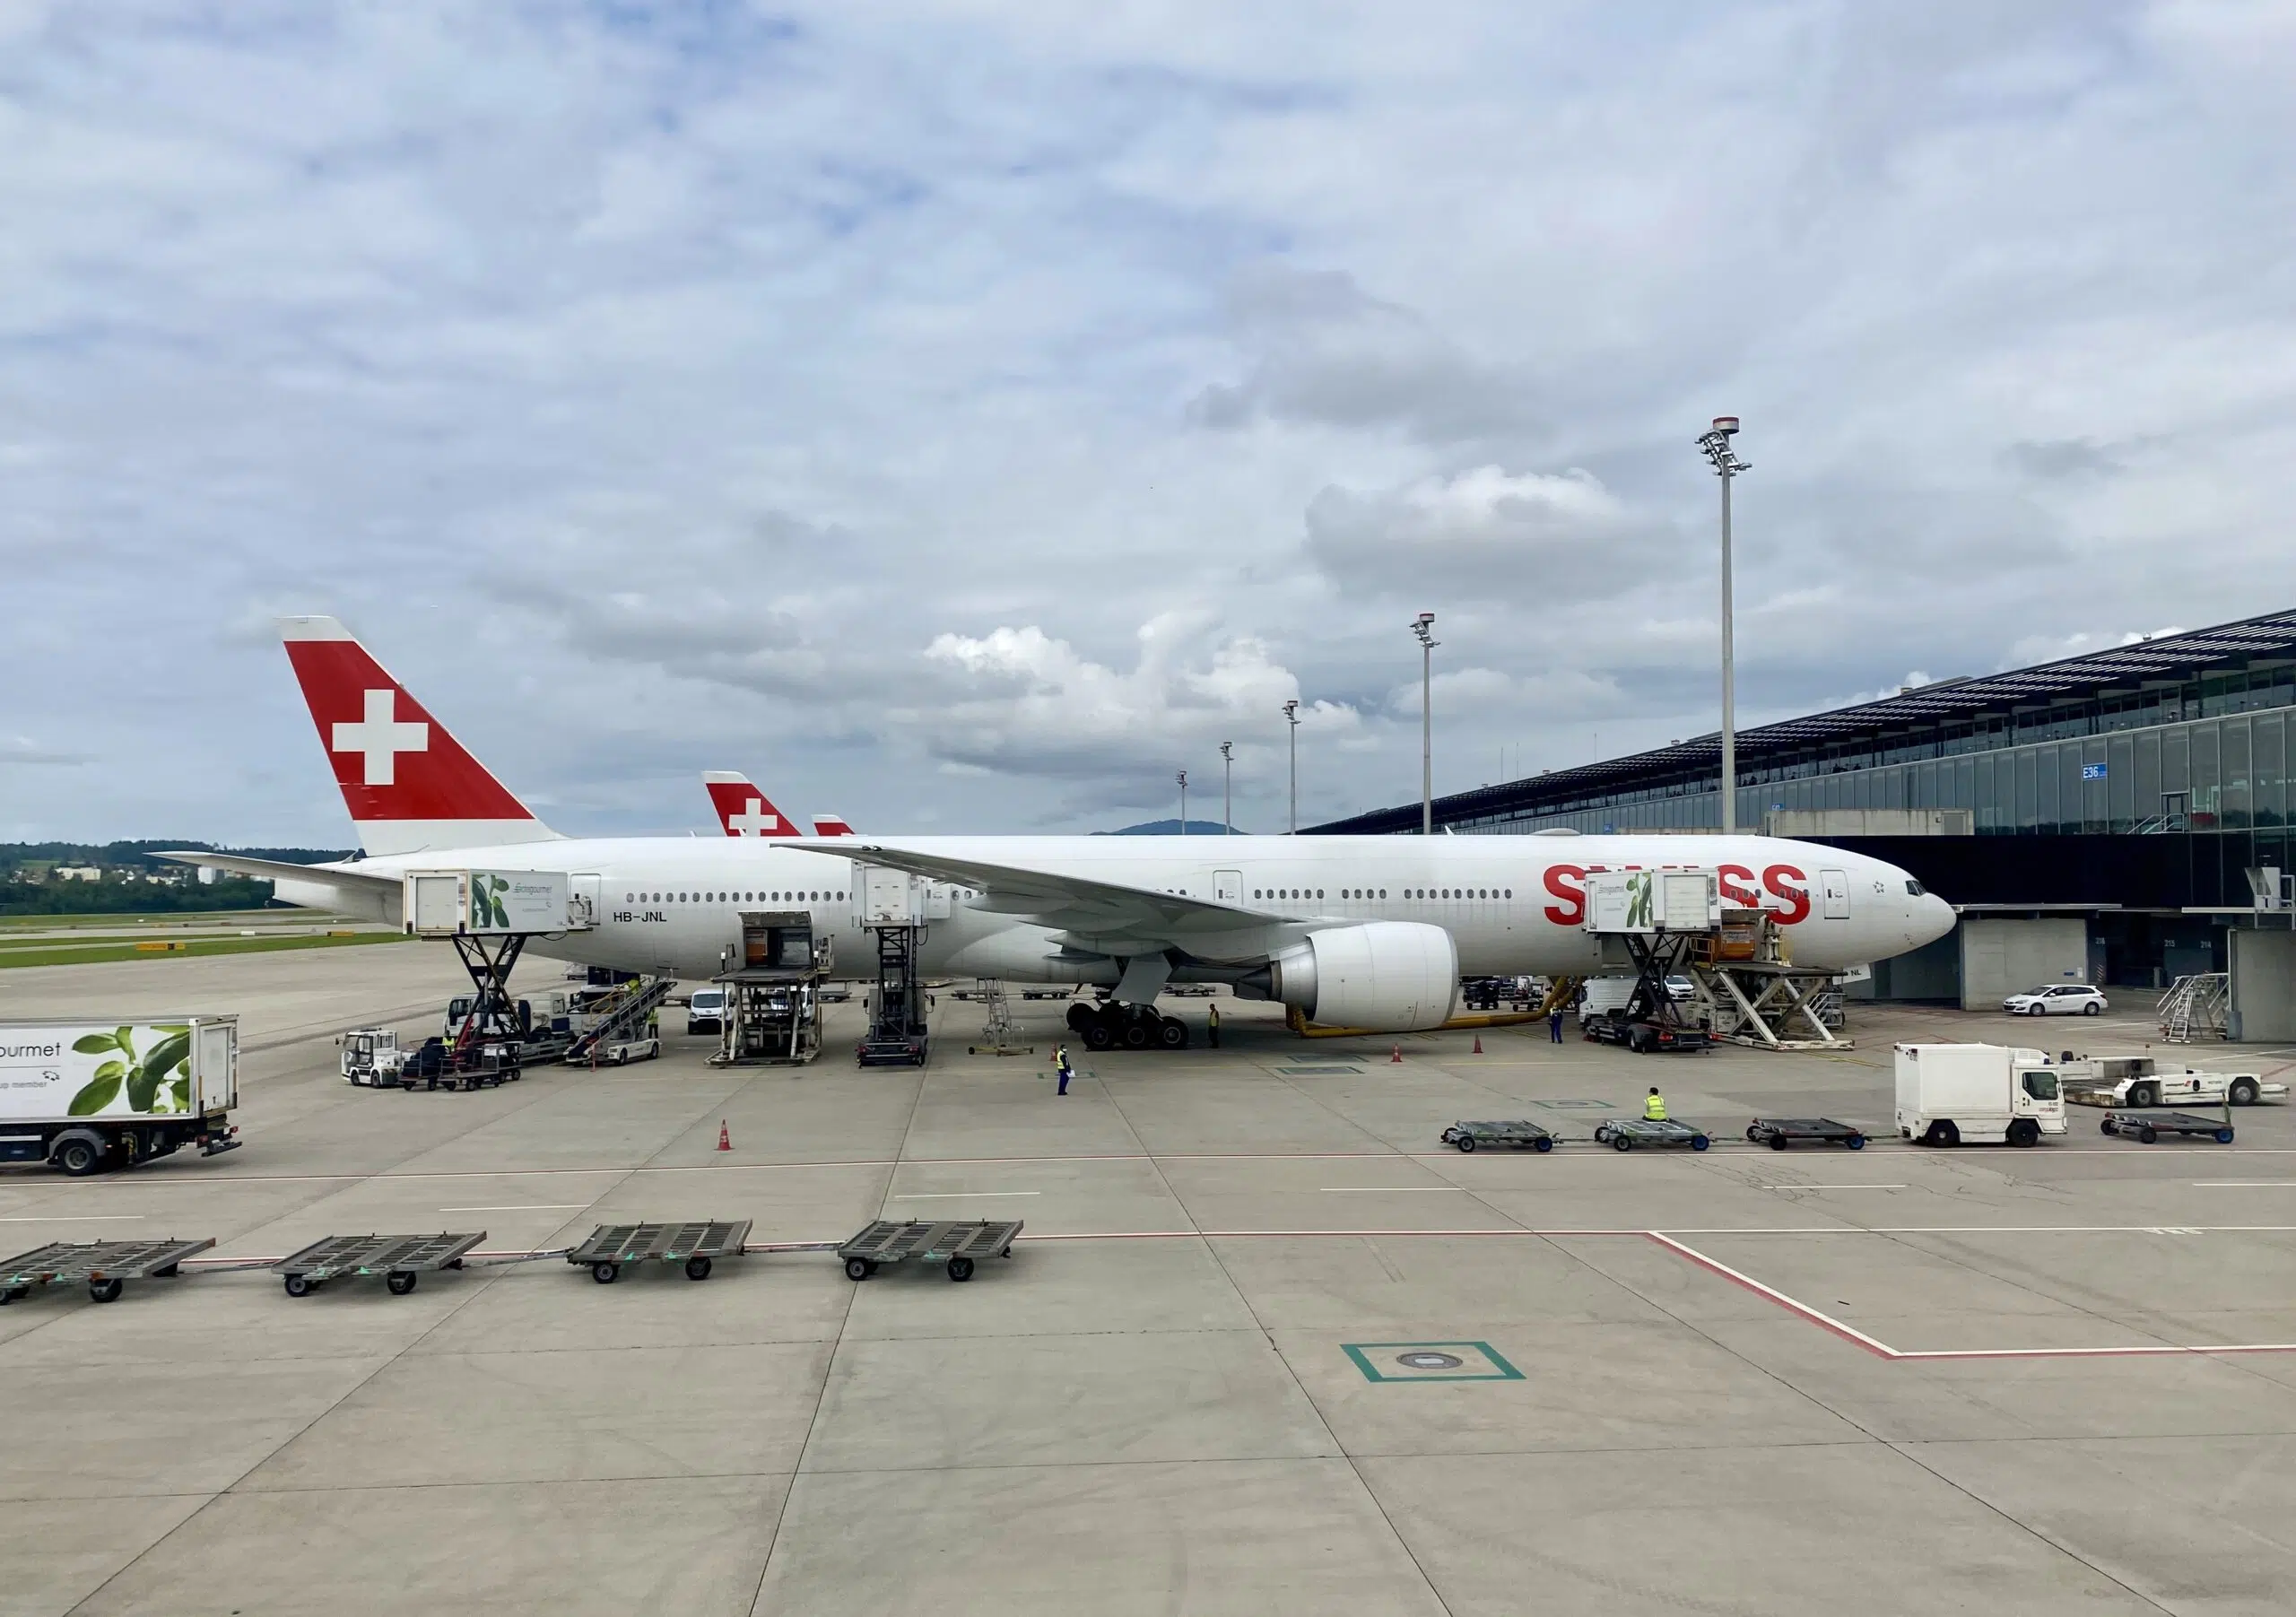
x=132 y=879
x=1171 y=828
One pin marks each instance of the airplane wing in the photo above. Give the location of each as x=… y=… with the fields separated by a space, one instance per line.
x=1087 y=906
x=276 y=870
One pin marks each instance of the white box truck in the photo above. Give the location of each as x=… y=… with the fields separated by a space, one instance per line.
x=86 y=1096
x=1949 y=1093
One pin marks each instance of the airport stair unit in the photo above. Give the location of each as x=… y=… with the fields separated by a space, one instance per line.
x=772 y=983
x=2193 y=1008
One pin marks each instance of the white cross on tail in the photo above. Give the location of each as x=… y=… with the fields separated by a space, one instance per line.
x=753 y=821
x=381 y=738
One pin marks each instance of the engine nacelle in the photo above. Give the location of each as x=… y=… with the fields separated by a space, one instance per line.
x=1390 y=976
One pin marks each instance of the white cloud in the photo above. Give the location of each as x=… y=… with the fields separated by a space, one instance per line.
x=657 y=388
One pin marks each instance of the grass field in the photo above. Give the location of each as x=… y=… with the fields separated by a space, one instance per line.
x=50 y=951
x=166 y=917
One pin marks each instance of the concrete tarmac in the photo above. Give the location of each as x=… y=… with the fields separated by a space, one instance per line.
x=1266 y=1346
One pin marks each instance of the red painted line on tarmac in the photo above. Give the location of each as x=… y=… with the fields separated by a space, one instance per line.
x=1824 y=1321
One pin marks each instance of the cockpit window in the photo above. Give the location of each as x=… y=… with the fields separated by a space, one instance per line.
x=2041 y=1086
x=1915 y=888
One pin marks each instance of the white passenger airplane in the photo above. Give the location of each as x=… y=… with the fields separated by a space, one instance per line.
x=1365 y=932
x=745 y=810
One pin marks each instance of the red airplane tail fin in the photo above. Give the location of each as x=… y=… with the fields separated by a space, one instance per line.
x=408 y=783
x=832 y=825
x=743 y=810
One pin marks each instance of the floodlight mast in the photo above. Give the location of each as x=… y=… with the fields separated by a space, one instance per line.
x=1226 y=787
x=1716 y=444
x=1292 y=712
x=1183 y=780
x=1423 y=626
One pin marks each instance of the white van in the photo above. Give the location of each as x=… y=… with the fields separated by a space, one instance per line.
x=705 y=1011
x=1949 y=1093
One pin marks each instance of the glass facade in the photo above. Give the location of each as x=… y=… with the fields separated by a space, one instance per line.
x=2226 y=774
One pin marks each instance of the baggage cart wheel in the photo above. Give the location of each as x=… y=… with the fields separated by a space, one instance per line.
x=105 y=1291
x=400 y=1284
x=1751 y=1134
x=2224 y=1136
x=857 y=1268
x=1007 y=1253
x=1700 y=1142
x=697 y=1268
x=605 y=1274
x=2148 y=1135
x=1542 y=1145
x=960 y=1268
x=1777 y=1142
x=1621 y=1142
x=301 y=1285
x=2108 y=1127
x=1856 y=1142
x=1465 y=1143
x=169 y=1273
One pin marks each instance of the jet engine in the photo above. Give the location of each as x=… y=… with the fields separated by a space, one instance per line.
x=1390 y=976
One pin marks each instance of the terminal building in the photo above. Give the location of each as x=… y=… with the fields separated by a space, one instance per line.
x=2119 y=816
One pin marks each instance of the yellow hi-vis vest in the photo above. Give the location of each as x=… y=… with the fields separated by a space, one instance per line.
x=1654 y=1109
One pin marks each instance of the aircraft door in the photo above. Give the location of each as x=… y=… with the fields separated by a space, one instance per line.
x=1228 y=886
x=1835 y=884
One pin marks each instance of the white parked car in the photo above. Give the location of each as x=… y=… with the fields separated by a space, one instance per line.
x=2056 y=999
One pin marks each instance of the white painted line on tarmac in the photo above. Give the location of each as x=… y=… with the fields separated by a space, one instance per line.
x=551 y=1207
x=1829 y=1187
x=951 y=1195
x=2244 y=1183
x=1386 y=1189
x=87 y=1218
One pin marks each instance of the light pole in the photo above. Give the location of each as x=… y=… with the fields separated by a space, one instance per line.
x=1423 y=626
x=1183 y=779
x=1292 y=712
x=1226 y=787
x=1715 y=442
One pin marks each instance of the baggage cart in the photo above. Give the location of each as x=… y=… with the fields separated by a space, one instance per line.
x=105 y=1265
x=399 y=1259
x=1520 y=1132
x=1778 y=1133
x=2147 y=1127
x=958 y=1242
x=697 y=1244
x=1624 y=1134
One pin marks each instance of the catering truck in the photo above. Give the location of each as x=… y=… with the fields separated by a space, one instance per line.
x=86 y=1096
x=1949 y=1093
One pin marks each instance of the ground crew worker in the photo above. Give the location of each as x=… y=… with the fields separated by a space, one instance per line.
x=1213 y=1027
x=1060 y=1066
x=1654 y=1109
x=1554 y=1025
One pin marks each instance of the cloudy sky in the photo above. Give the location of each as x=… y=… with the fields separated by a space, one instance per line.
x=962 y=420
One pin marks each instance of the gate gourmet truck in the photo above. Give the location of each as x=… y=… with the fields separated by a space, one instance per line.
x=86 y=1096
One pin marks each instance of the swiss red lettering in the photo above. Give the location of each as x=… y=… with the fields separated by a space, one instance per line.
x=1736 y=889
x=1566 y=881
x=1795 y=899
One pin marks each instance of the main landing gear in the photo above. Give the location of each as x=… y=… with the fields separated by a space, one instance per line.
x=1116 y=1026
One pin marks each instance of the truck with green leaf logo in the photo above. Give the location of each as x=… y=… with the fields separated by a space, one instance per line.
x=86 y=1096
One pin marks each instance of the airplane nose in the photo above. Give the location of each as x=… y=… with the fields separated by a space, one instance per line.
x=1936 y=918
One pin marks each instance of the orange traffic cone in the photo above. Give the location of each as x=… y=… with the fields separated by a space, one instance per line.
x=1397 y=1056
x=1478 y=1044
x=725 y=1139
